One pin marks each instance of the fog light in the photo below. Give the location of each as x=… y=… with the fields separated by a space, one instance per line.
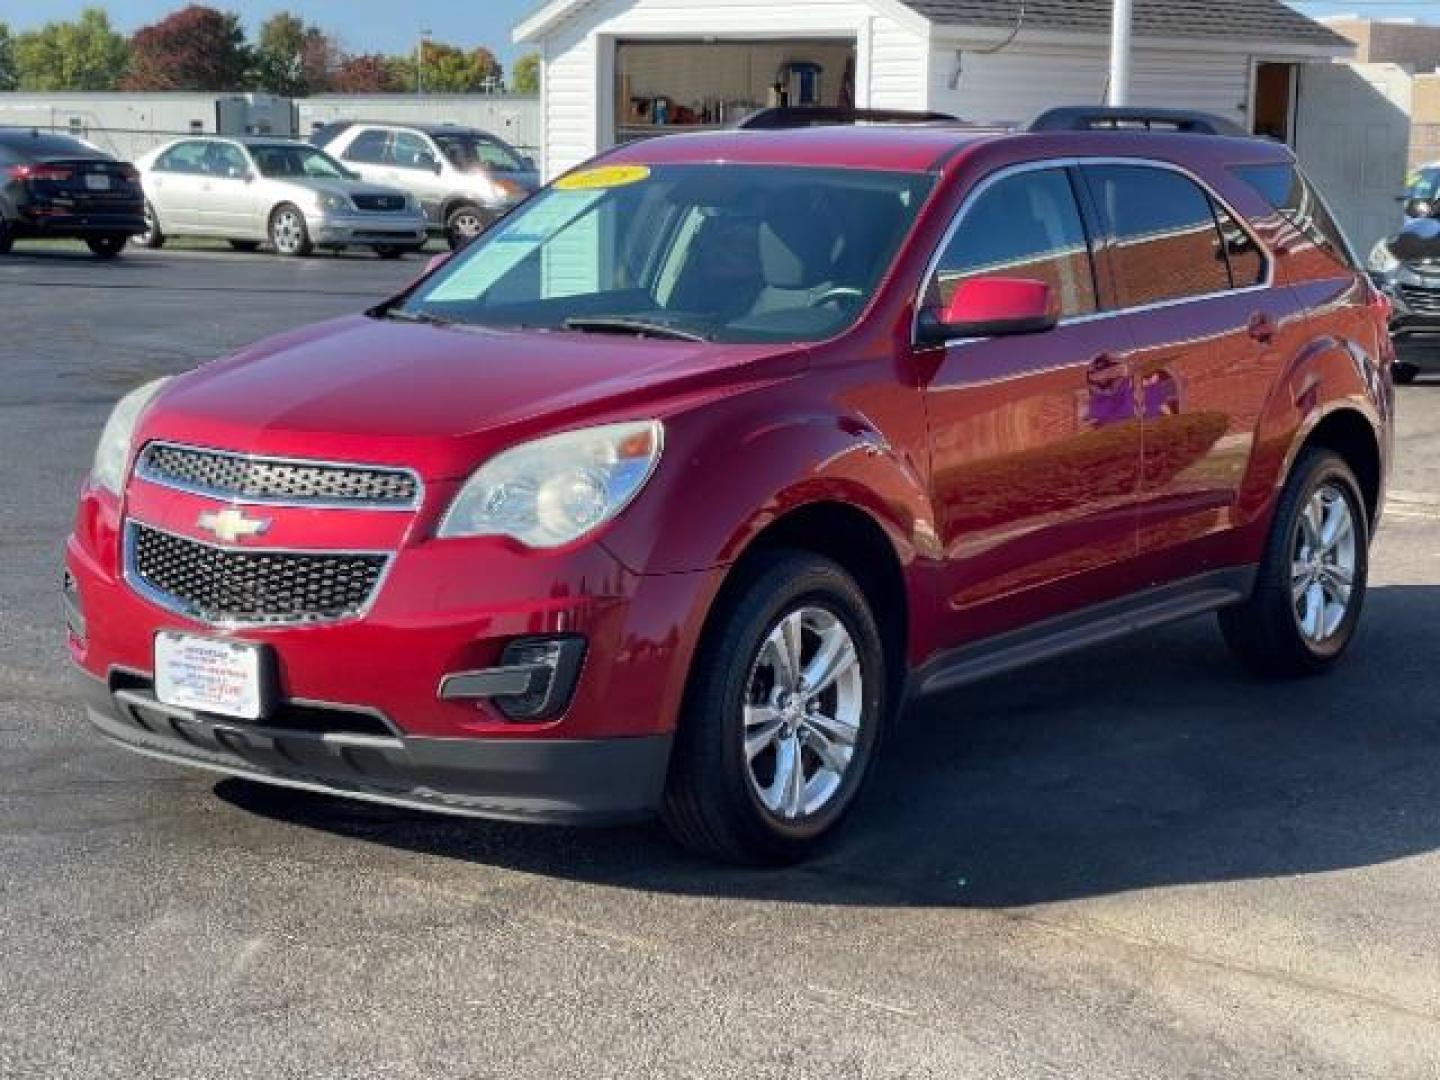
x=70 y=604
x=534 y=681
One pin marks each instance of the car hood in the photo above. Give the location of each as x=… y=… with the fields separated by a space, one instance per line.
x=439 y=399
x=333 y=187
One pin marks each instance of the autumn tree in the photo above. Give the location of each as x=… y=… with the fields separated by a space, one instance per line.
x=196 y=48
x=293 y=58
x=368 y=73
x=525 y=75
x=83 y=55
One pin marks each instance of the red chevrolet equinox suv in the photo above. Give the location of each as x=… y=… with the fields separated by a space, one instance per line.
x=666 y=494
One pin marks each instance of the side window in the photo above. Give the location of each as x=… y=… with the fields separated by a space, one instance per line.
x=1285 y=188
x=1247 y=261
x=1164 y=241
x=1028 y=226
x=227 y=160
x=371 y=147
x=410 y=151
x=185 y=157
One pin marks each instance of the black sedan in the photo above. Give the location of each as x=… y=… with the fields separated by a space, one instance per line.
x=56 y=186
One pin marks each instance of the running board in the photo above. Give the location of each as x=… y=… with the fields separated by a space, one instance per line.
x=1092 y=626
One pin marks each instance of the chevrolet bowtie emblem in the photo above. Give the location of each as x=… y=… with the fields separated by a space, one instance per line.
x=229 y=525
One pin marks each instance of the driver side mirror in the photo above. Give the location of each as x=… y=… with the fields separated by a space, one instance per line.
x=993 y=307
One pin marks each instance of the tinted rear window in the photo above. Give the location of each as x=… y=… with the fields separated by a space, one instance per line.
x=1285 y=188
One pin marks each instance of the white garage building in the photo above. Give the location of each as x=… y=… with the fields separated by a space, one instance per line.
x=613 y=70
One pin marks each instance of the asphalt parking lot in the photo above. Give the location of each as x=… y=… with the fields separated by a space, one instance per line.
x=1134 y=863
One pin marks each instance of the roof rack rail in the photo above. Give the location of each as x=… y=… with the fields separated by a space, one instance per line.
x=1109 y=117
x=800 y=116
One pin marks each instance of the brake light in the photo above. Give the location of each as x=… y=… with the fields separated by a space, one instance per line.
x=130 y=173
x=38 y=172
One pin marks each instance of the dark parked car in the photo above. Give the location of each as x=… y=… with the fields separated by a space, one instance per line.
x=55 y=186
x=665 y=493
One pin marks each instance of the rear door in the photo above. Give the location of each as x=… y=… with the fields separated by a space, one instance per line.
x=173 y=185
x=229 y=193
x=1208 y=339
x=1035 y=448
x=368 y=154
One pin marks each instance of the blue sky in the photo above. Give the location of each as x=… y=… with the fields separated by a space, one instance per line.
x=391 y=26
x=361 y=25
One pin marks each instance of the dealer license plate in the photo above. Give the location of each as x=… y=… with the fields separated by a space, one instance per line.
x=208 y=675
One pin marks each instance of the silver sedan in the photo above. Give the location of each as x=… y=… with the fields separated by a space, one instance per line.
x=278 y=191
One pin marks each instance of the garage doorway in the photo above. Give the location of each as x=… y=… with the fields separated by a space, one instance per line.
x=1273 y=114
x=668 y=86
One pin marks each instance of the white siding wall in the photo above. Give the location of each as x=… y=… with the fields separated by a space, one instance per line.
x=1020 y=81
x=578 y=91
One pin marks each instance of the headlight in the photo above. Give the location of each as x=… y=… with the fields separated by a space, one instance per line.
x=554 y=490
x=113 y=453
x=331 y=201
x=1382 y=259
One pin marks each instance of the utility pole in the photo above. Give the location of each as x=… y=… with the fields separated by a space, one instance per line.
x=1120 y=20
x=420 y=63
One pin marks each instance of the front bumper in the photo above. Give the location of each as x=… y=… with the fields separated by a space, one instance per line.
x=556 y=781
x=368 y=228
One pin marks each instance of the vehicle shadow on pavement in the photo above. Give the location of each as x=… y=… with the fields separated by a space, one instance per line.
x=1146 y=763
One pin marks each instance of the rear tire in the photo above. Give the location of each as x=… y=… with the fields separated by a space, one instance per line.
x=1404 y=373
x=245 y=245
x=764 y=766
x=107 y=245
x=152 y=237
x=289 y=234
x=1310 y=588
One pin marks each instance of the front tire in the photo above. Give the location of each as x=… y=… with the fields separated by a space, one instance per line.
x=1312 y=578
x=289 y=234
x=106 y=245
x=7 y=236
x=462 y=225
x=782 y=716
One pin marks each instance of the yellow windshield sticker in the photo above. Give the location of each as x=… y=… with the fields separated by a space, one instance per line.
x=602 y=176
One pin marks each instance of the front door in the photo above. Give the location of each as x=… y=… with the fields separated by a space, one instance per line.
x=1035 y=447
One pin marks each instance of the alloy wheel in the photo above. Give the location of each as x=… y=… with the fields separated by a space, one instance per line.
x=1322 y=573
x=804 y=702
x=288 y=232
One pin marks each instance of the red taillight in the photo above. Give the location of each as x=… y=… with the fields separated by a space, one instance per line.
x=38 y=172
x=129 y=172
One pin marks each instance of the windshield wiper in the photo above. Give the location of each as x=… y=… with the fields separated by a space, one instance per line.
x=620 y=324
x=400 y=314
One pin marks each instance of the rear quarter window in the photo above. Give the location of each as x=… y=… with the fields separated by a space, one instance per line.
x=1286 y=188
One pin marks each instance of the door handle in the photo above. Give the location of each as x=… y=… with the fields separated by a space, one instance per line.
x=1261 y=328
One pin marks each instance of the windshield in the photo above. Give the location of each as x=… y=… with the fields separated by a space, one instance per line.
x=720 y=252
x=471 y=150
x=280 y=160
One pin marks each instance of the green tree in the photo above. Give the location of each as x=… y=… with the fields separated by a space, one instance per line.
x=7 y=58
x=83 y=55
x=525 y=75
x=449 y=69
x=294 y=58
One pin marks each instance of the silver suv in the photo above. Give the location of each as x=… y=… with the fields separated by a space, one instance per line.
x=464 y=178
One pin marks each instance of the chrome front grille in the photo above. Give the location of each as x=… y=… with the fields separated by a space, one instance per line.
x=240 y=477
x=385 y=203
x=1420 y=300
x=249 y=586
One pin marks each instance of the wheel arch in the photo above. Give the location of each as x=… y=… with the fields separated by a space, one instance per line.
x=1351 y=434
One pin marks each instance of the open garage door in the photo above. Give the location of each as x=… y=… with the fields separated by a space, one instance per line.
x=669 y=86
x=1352 y=138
